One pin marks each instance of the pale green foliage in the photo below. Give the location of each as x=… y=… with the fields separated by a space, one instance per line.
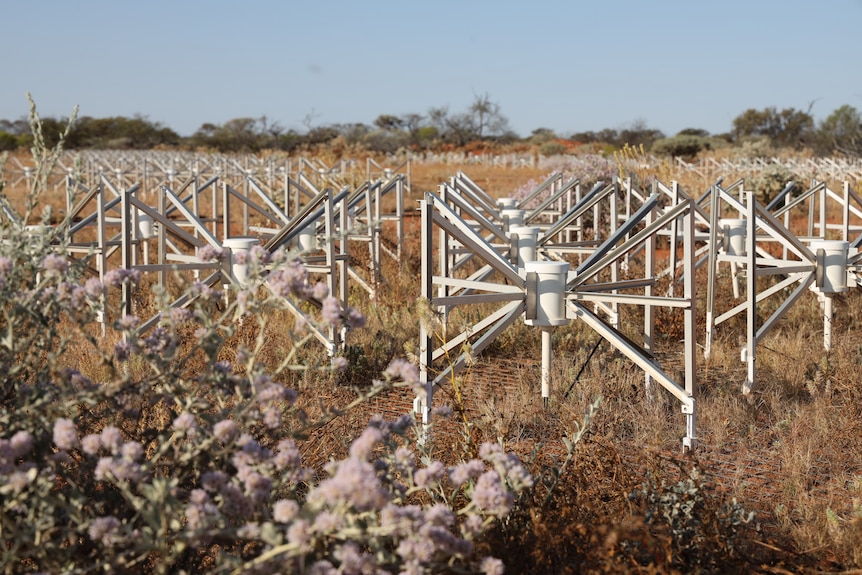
x=770 y=181
x=683 y=510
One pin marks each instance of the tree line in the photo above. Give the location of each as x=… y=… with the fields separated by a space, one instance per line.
x=482 y=126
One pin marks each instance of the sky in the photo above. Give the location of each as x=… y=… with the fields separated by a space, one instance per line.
x=569 y=66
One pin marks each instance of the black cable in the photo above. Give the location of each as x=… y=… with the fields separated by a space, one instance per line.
x=583 y=367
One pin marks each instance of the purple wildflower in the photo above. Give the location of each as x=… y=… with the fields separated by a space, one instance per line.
x=320 y=290
x=259 y=254
x=239 y=257
x=407 y=372
x=179 y=315
x=94 y=287
x=76 y=379
x=91 y=444
x=127 y=323
x=355 y=483
x=330 y=313
x=285 y=510
x=339 y=363
x=213 y=481
x=412 y=567
x=122 y=351
x=291 y=279
x=355 y=319
x=208 y=253
x=257 y=486
x=18 y=480
x=401 y=520
x=353 y=560
x=472 y=526
x=21 y=443
x=322 y=567
x=462 y=473
x=402 y=424
x=243 y=298
x=416 y=549
x=55 y=265
x=104 y=530
x=405 y=460
x=490 y=496
x=429 y=476
x=440 y=515
x=124 y=469
x=225 y=431
x=104 y=469
x=132 y=451
x=326 y=522
x=492 y=566
x=111 y=438
x=490 y=451
x=203 y=291
x=363 y=446
x=185 y=423
x=250 y=530
x=442 y=411
x=272 y=417
x=299 y=534
x=119 y=276
x=234 y=502
x=287 y=455
x=65 y=434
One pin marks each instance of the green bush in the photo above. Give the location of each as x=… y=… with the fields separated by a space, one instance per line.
x=8 y=142
x=771 y=180
x=552 y=148
x=681 y=145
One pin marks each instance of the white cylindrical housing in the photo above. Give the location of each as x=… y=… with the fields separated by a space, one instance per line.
x=513 y=216
x=351 y=217
x=550 y=293
x=834 y=272
x=528 y=237
x=505 y=203
x=239 y=265
x=306 y=240
x=734 y=230
x=145 y=226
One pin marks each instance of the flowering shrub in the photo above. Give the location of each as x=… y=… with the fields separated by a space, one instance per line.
x=216 y=484
x=161 y=456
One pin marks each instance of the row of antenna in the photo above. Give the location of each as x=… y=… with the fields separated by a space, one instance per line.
x=599 y=255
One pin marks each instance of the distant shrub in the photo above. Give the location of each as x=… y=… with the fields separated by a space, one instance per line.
x=552 y=148
x=8 y=141
x=753 y=147
x=685 y=146
x=771 y=180
x=385 y=141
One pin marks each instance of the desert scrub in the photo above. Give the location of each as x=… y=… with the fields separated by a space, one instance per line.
x=700 y=532
x=217 y=484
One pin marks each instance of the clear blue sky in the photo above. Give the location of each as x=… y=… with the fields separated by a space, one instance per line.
x=566 y=65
